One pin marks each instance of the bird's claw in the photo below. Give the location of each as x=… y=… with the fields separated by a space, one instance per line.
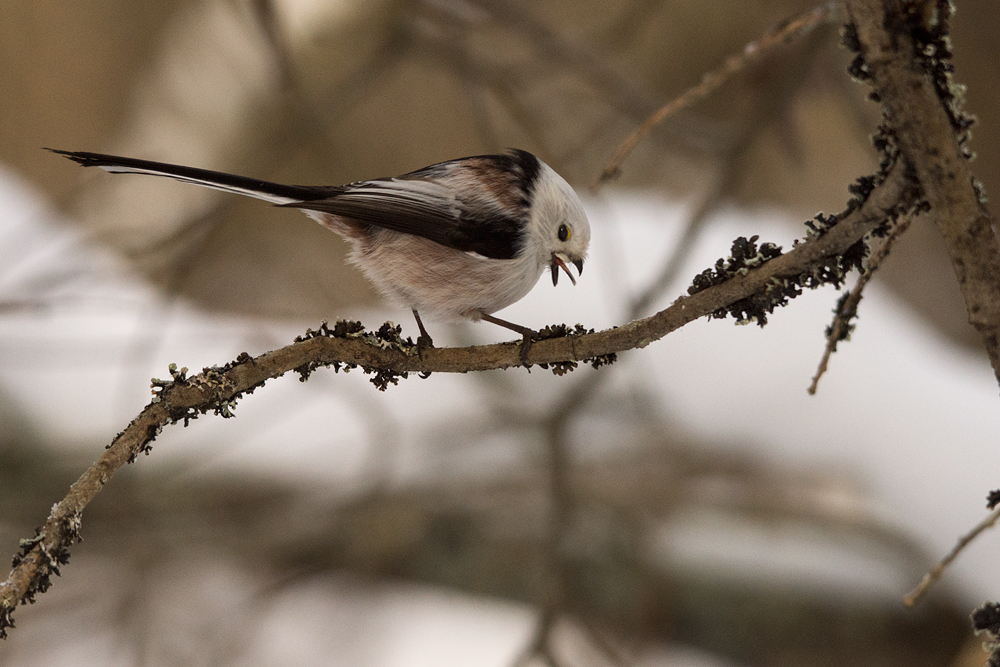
x=424 y=343
x=529 y=338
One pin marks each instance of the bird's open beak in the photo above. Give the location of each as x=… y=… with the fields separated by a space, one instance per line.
x=559 y=262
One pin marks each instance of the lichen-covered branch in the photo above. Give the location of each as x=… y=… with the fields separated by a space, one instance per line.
x=905 y=55
x=389 y=358
x=847 y=306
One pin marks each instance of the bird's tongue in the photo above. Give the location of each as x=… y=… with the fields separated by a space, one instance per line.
x=558 y=263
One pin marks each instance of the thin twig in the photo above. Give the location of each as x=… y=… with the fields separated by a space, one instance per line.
x=935 y=572
x=619 y=88
x=604 y=646
x=848 y=308
x=797 y=26
x=731 y=169
x=539 y=646
x=266 y=15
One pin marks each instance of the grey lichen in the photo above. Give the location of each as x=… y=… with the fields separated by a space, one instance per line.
x=387 y=337
x=564 y=331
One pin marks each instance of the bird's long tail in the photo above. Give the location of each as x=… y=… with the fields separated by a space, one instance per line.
x=251 y=187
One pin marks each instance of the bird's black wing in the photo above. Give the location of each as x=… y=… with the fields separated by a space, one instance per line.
x=413 y=204
x=427 y=209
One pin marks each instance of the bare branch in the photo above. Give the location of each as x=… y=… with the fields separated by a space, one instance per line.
x=797 y=26
x=217 y=389
x=935 y=572
x=847 y=308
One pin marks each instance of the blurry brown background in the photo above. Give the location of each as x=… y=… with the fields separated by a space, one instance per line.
x=326 y=92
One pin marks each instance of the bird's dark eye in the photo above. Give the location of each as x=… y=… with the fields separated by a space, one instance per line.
x=563 y=233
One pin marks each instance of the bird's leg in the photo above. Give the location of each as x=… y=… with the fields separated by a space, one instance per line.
x=424 y=342
x=528 y=334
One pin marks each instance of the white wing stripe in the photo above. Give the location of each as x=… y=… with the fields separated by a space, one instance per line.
x=266 y=196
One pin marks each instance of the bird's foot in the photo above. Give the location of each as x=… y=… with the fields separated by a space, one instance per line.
x=529 y=335
x=529 y=338
x=424 y=343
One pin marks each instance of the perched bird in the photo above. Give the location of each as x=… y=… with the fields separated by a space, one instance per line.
x=456 y=240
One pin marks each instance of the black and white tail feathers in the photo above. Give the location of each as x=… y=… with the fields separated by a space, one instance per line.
x=275 y=193
x=418 y=203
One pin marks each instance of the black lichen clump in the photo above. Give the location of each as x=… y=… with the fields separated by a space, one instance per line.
x=860 y=189
x=49 y=560
x=849 y=38
x=986 y=619
x=746 y=255
x=858 y=69
x=929 y=24
x=389 y=335
x=341 y=329
x=821 y=223
x=993 y=499
x=562 y=331
x=846 y=315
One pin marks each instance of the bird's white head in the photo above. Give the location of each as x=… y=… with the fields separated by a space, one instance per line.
x=558 y=227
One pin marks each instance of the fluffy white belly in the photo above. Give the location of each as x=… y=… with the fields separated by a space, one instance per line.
x=441 y=283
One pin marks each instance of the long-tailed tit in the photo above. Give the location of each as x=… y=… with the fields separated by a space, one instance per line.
x=456 y=240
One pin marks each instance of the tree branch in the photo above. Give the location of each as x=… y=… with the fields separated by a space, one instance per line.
x=794 y=27
x=935 y=572
x=217 y=389
x=907 y=58
x=847 y=307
